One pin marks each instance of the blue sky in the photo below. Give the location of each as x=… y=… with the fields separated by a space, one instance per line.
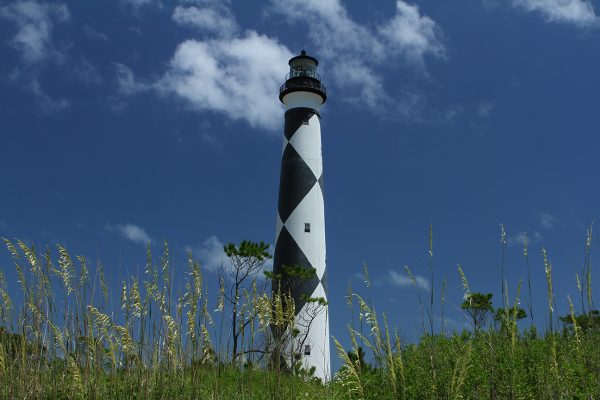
x=135 y=120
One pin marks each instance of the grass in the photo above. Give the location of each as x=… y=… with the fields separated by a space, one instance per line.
x=63 y=340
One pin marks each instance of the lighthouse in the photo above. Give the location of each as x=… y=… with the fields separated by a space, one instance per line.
x=300 y=228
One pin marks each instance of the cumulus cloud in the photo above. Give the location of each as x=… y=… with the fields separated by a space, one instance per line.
x=331 y=28
x=576 y=12
x=354 y=51
x=366 y=85
x=212 y=256
x=33 y=39
x=35 y=23
x=210 y=253
x=236 y=77
x=236 y=73
x=131 y=232
x=402 y=280
x=413 y=35
x=230 y=73
x=548 y=221
x=209 y=17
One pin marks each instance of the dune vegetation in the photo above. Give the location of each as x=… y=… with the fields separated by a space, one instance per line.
x=65 y=335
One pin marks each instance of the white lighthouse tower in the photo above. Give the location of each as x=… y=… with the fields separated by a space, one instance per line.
x=300 y=234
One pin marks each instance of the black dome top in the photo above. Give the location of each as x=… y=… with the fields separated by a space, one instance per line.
x=303 y=56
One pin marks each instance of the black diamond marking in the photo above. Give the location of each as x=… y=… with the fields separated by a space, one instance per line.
x=321 y=182
x=324 y=281
x=297 y=179
x=294 y=119
x=288 y=253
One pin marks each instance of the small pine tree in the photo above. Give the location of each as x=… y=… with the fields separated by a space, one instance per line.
x=479 y=307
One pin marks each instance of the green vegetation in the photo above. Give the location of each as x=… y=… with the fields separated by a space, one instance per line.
x=64 y=338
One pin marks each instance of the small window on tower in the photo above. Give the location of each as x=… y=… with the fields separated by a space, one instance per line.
x=307 y=227
x=307 y=350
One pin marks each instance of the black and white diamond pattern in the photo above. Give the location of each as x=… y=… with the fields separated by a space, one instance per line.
x=301 y=202
x=296 y=181
x=295 y=118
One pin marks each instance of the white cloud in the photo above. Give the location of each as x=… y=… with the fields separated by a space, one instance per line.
x=132 y=232
x=213 y=258
x=485 y=109
x=48 y=104
x=35 y=22
x=363 y=84
x=237 y=74
x=577 y=12
x=29 y=81
x=331 y=28
x=402 y=280
x=236 y=77
x=85 y=72
x=211 y=254
x=233 y=74
x=412 y=35
x=354 y=51
x=140 y=3
x=127 y=84
x=519 y=238
x=212 y=18
x=548 y=221
x=267 y=267
x=92 y=33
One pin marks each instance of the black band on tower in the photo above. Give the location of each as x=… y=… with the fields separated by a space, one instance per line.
x=297 y=179
x=294 y=118
x=289 y=254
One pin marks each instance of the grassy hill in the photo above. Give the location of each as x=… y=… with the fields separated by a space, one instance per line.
x=63 y=341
